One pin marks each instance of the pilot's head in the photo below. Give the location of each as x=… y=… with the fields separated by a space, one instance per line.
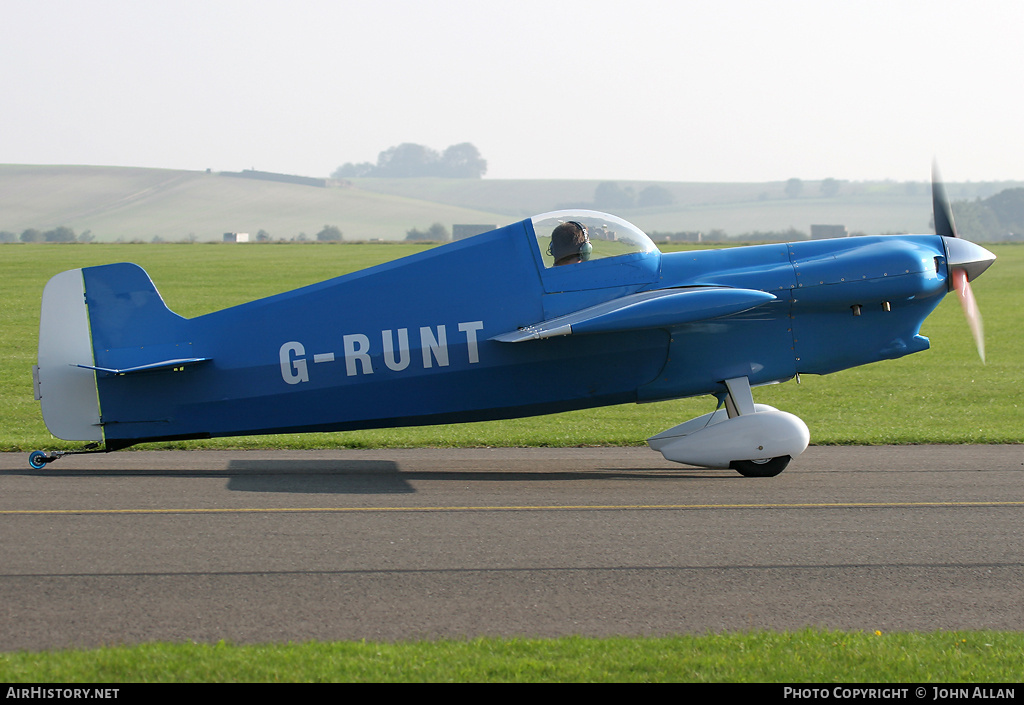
x=570 y=243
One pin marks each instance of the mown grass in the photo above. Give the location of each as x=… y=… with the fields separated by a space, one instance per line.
x=943 y=395
x=805 y=656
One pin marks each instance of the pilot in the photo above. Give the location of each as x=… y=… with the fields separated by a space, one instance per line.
x=570 y=243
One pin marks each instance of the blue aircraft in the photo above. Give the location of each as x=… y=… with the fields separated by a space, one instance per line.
x=565 y=310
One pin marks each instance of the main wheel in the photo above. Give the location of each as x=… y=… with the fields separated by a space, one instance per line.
x=769 y=467
x=37 y=459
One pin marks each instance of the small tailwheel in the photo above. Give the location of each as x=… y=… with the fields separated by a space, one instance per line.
x=37 y=459
x=768 y=467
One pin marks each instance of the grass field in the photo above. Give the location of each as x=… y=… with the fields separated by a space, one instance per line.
x=943 y=395
x=807 y=656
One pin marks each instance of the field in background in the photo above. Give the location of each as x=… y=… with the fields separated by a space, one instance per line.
x=138 y=205
x=944 y=395
x=141 y=205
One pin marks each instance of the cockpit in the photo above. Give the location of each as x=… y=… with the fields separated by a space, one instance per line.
x=608 y=235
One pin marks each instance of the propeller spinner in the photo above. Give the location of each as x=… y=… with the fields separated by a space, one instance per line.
x=966 y=261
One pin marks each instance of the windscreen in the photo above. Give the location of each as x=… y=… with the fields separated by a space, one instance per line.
x=609 y=235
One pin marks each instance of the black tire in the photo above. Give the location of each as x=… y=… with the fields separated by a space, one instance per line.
x=769 y=467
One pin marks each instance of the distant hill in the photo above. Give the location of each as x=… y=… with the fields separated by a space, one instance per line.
x=134 y=204
x=142 y=204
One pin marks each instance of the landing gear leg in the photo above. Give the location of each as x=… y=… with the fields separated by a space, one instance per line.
x=740 y=401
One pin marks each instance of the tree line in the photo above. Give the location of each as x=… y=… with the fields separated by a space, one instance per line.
x=459 y=161
x=329 y=233
x=998 y=218
x=59 y=234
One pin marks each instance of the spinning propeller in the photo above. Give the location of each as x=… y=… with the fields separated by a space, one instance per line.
x=966 y=261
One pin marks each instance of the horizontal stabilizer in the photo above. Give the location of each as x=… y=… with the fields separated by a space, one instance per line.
x=163 y=365
x=647 y=309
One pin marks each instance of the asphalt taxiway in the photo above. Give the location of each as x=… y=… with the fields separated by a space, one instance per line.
x=266 y=546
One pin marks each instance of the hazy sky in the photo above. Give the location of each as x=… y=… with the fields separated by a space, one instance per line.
x=730 y=90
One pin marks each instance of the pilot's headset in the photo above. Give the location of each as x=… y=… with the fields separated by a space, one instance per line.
x=585 y=248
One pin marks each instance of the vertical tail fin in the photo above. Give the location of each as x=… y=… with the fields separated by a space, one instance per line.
x=98 y=320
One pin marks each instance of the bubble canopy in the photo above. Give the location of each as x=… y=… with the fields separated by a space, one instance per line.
x=610 y=235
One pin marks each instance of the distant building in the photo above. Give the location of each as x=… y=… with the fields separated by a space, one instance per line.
x=236 y=237
x=825 y=232
x=461 y=232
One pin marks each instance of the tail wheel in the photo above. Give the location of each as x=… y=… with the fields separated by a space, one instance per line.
x=768 y=467
x=37 y=459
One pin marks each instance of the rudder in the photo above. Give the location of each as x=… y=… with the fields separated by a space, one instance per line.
x=67 y=393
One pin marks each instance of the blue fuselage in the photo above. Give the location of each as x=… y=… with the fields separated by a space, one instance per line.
x=411 y=342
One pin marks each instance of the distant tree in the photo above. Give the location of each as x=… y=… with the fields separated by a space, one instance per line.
x=996 y=218
x=31 y=235
x=86 y=236
x=794 y=187
x=7 y=236
x=463 y=161
x=408 y=160
x=438 y=232
x=435 y=233
x=60 y=234
x=350 y=170
x=262 y=236
x=1008 y=206
x=610 y=195
x=654 y=196
x=829 y=187
x=330 y=233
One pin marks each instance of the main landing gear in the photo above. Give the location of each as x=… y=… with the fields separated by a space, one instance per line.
x=756 y=440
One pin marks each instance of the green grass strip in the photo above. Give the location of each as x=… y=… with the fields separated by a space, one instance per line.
x=805 y=656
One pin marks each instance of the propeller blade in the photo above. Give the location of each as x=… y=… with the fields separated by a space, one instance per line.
x=941 y=211
x=966 y=260
x=971 y=310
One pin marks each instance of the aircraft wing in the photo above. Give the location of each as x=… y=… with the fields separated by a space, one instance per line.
x=646 y=309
